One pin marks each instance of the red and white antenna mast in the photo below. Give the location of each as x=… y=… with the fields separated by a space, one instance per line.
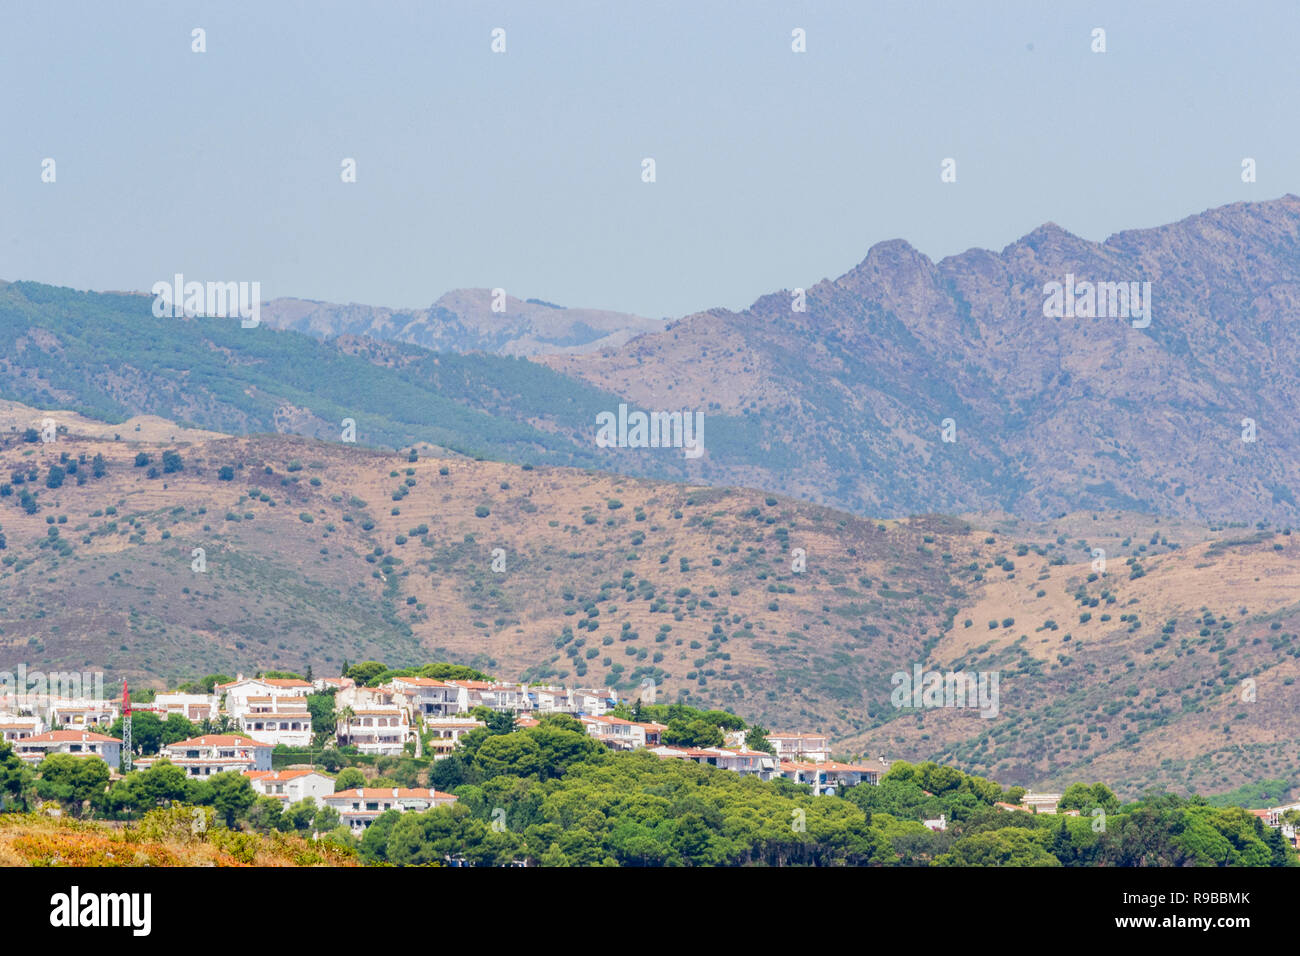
x=126 y=728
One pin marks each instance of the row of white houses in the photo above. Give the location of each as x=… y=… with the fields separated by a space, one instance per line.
x=219 y=753
x=27 y=715
x=384 y=720
x=802 y=758
x=377 y=720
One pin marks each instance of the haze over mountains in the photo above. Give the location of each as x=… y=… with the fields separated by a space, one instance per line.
x=463 y=320
x=1050 y=414
x=842 y=404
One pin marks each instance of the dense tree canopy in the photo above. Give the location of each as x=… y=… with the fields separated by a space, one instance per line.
x=15 y=779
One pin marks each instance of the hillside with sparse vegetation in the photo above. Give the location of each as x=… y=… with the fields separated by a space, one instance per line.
x=316 y=552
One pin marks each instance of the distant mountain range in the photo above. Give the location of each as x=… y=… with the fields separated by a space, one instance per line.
x=463 y=320
x=1050 y=414
x=846 y=402
x=107 y=356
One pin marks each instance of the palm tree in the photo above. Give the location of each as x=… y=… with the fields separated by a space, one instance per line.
x=345 y=718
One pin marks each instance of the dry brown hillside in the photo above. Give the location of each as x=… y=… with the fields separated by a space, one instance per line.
x=30 y=839
x=317 y=552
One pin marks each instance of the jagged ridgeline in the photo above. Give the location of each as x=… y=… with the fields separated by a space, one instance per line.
x=1166 y=384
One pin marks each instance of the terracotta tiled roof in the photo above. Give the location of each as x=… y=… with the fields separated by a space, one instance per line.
x=219 y=740
x=70 y=736
x=390 y=793
x=277 y=776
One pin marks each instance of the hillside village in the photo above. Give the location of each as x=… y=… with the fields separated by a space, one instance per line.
x=396 y=558
x=408 y=715
x=260 y=726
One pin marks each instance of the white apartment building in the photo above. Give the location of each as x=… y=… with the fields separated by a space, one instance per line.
x=276 y=720
x=14 y=728
x=1040 y=802
x=75 y=713
x=827 y=776
x=593 y=703
x=238 y=691
x=214 y=753
x=615 y=732
x=429 y=697
x=193 y=707
x=551 y=700
x=375 y=730
x=445 y=732
x=292 y=786
x=359 y=697
x=814 y=747
x=360 y=807
x=81 y=743
x=750 y=762
x=495 y=696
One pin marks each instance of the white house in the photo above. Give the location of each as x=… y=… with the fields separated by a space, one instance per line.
x=551 y=700
x=615 y=732
x=292 y=785
x=495 y=696
x=1040 y=802
x=814 y=747
x=827 y=776
x=429 y=697
x=193 y=707
x=337 y=684
x=75 y=713
x=14 y=728
x=239 y=691
x=360 y=807
x=1273 y=815
x=81 y=743
x=594 y=703
x=375 y=730
x=445 y=732
x=277 y=720
x=749 y=762
x=358 y=697
x=653 y=732
x=214 y=753
x=756 y=763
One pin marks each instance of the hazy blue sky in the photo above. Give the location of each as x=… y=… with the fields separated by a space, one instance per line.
x=522 y=170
